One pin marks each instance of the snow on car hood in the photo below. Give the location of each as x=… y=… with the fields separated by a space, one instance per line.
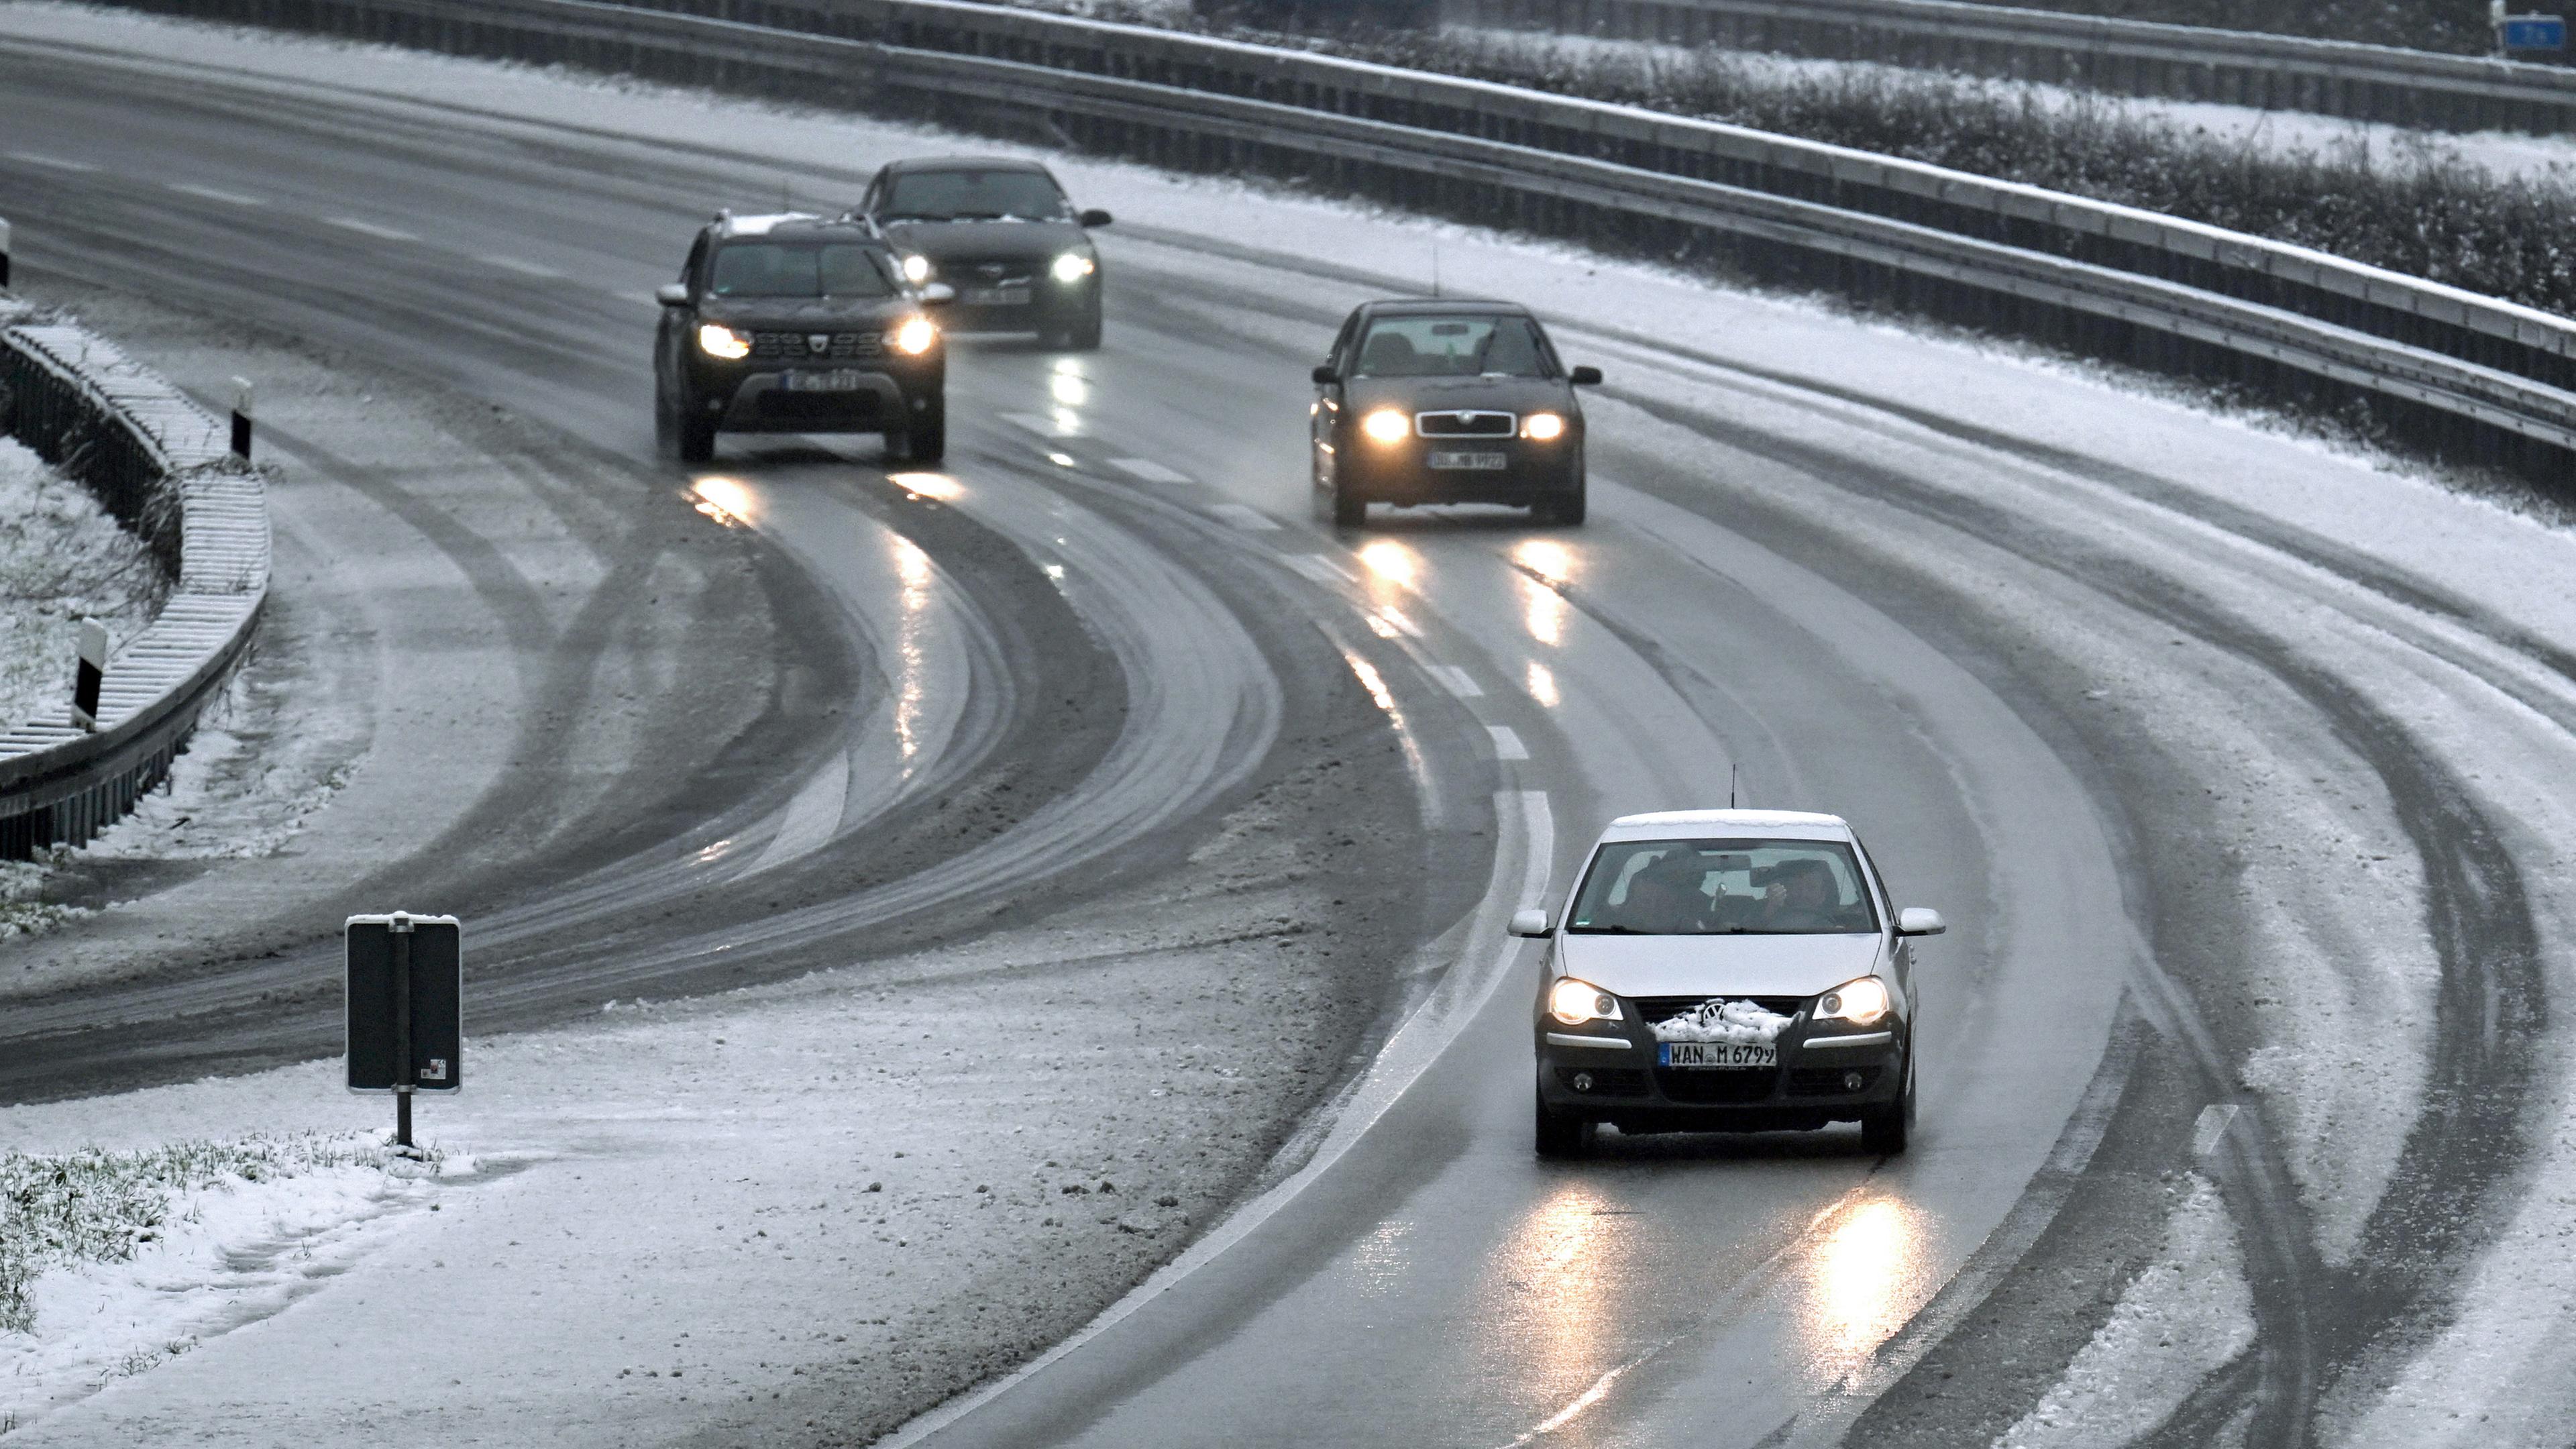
x=1716 y=965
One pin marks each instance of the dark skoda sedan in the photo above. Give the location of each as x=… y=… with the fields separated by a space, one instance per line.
x=1448 y=402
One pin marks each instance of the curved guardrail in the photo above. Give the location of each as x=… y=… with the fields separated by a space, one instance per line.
x=2458 y=371
x=2132 y=57
x=165 y=469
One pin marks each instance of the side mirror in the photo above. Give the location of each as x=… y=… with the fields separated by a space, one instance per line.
x=1326 y=376
x=1585 y=376
x=1530 y=922
x=1920 y=921
x=937 y=294
x=1094 y=217
x=672 y=294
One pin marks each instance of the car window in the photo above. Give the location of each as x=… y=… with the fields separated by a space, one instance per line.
x=1723 y=887
x=798 y=269
x=973 y=196
x=1463 y=346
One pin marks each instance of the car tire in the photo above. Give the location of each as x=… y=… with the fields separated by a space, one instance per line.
x=1562 y=1136
x=1085 y=334
x=926 y=441
x=1884 y=1131
x=1350 y=510
x=1565 y=510
x=693 y=438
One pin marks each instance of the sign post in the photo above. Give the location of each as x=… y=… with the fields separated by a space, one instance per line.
x=406 y=995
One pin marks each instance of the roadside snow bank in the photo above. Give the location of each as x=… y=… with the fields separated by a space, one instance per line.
x=62 y=558
x=113 y=1261
x=2185 y=1317
x=1736 y=1023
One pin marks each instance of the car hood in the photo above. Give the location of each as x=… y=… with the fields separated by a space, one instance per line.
x=803 y=314
x=992 y=241
x=1717 y=965
x=1438 y=394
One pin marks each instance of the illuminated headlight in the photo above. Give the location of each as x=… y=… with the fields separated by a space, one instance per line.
x=723 y=342
x=1543 y=427
x=1386 y=425
x=1072 y=267
x=914 y=337
x=1575 y=1002
x=916 y=269
x=1858 y=1002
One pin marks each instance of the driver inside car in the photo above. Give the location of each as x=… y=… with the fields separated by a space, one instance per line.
x=1665 y=898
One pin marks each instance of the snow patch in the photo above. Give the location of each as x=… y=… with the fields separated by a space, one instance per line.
x=1736 y=1023
x=62 y=559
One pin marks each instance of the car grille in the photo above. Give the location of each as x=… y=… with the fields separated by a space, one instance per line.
x=1828 y=1081
x=1465 y=424
x=1717 y=1086
x=1606 y=1081
x=776 y=404
x=988 y=274
x=788 y=346
x=1652 y=1009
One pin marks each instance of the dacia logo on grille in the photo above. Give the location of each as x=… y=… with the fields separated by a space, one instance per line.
x=818 y=341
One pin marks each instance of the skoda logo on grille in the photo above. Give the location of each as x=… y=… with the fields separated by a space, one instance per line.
x=818 y=341
x=990 y=269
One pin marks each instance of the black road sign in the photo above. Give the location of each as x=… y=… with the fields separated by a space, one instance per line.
x=406 y=1004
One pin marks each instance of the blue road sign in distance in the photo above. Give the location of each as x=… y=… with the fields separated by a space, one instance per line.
x=2535 y=32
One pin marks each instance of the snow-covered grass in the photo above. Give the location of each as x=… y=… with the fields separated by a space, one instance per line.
x=259 y=764
x=62 y=559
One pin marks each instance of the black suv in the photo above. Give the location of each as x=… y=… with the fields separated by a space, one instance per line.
x=1448 y=402
x=1002 y=233
x=798 y=324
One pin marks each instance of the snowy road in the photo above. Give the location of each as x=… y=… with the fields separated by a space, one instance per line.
x=2158 y=711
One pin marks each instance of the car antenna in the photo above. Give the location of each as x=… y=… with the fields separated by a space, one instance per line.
x=1435 y=266
x=1730 y=784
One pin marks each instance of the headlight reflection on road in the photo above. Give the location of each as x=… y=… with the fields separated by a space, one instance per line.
x=1542 y=684
x=1861 y=1279
x=1391 y=561
x=913 y=569
x=726 y=500
x=1545 y=557
x=929 y=485
x=1553 y=1264
x=1068 y=386
x=1544 y=614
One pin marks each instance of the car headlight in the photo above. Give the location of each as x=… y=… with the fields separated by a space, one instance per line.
x=1386 y=425
x=1543 y=427
x=914 y=337
x=724 y=342
x=1072 y=267
x=1858 y=1002
x=916 y=269
x=1575 y=1002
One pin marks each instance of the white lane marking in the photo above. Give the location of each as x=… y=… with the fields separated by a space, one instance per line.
x=58 y=163
x=1507 y=744
x=811 y=819
x=523 y=268
x=1149 y=470
x=1443 y=1015
x=1241 y=516
x=2214 y=1121
x=1456 y=680
x=368 y=228
x=1396 y=620
x=216 y=193
x=1058 y=426
x=1319 y=568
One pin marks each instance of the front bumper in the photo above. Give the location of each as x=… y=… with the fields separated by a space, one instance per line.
x=1401 y=473
x=1615 y=1079
x=757 y=400
x=1052 y=307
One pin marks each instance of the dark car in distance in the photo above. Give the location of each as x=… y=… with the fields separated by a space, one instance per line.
x=792 y=323
x=1001 y=232
x=1431 y=401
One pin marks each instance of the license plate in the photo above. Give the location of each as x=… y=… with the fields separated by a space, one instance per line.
x=1478 y=462
x=839 y=379
x=995 y=296
x=1716 y=1054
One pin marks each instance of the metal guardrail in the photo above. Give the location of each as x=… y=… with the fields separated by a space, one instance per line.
x=2460 y=371
x=165 y=469
x=2130 y=57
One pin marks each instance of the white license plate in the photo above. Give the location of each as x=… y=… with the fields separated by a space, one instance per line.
x=995 y=296
x=1479 y=462
x=839 y=379
x=1716 y=1054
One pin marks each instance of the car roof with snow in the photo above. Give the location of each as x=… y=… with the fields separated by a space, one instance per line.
x=729 y=225
x=966 y=163
x=1788 y=824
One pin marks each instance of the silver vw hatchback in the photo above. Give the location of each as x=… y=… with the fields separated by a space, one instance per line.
x=1726 y=971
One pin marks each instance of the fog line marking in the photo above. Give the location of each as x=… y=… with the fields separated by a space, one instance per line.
x=523 y=268
x=1319 y=568
x=1456 y=680
x=368 y=228
x=1149 y=470
x=58 y=163
x=1244 y=517
x=216 y=193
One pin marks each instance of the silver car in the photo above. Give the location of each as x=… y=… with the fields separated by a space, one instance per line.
x=1727 y=971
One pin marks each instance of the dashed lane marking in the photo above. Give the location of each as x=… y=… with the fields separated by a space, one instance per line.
x=1319 y=568
x=523 y=268
x=1245 y=517
x=1507 y=744
x=217 y=193
x=1456 y=680
x=1149 y=470
x=1045 y=426
x=2212 y=1127
x=57 y=163
x=1395 y=619
x=369 y=228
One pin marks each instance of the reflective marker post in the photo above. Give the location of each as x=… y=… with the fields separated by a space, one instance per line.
x=241 y=418
x=4 y=253
x=406 y=987
x=90 y=674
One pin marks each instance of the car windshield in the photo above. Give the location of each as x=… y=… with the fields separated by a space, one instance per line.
x=1723 y=888
x=973 y=196
x=798 y=269
x=1462 y=346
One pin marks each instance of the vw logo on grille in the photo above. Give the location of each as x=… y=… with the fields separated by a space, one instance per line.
x=818 y=341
